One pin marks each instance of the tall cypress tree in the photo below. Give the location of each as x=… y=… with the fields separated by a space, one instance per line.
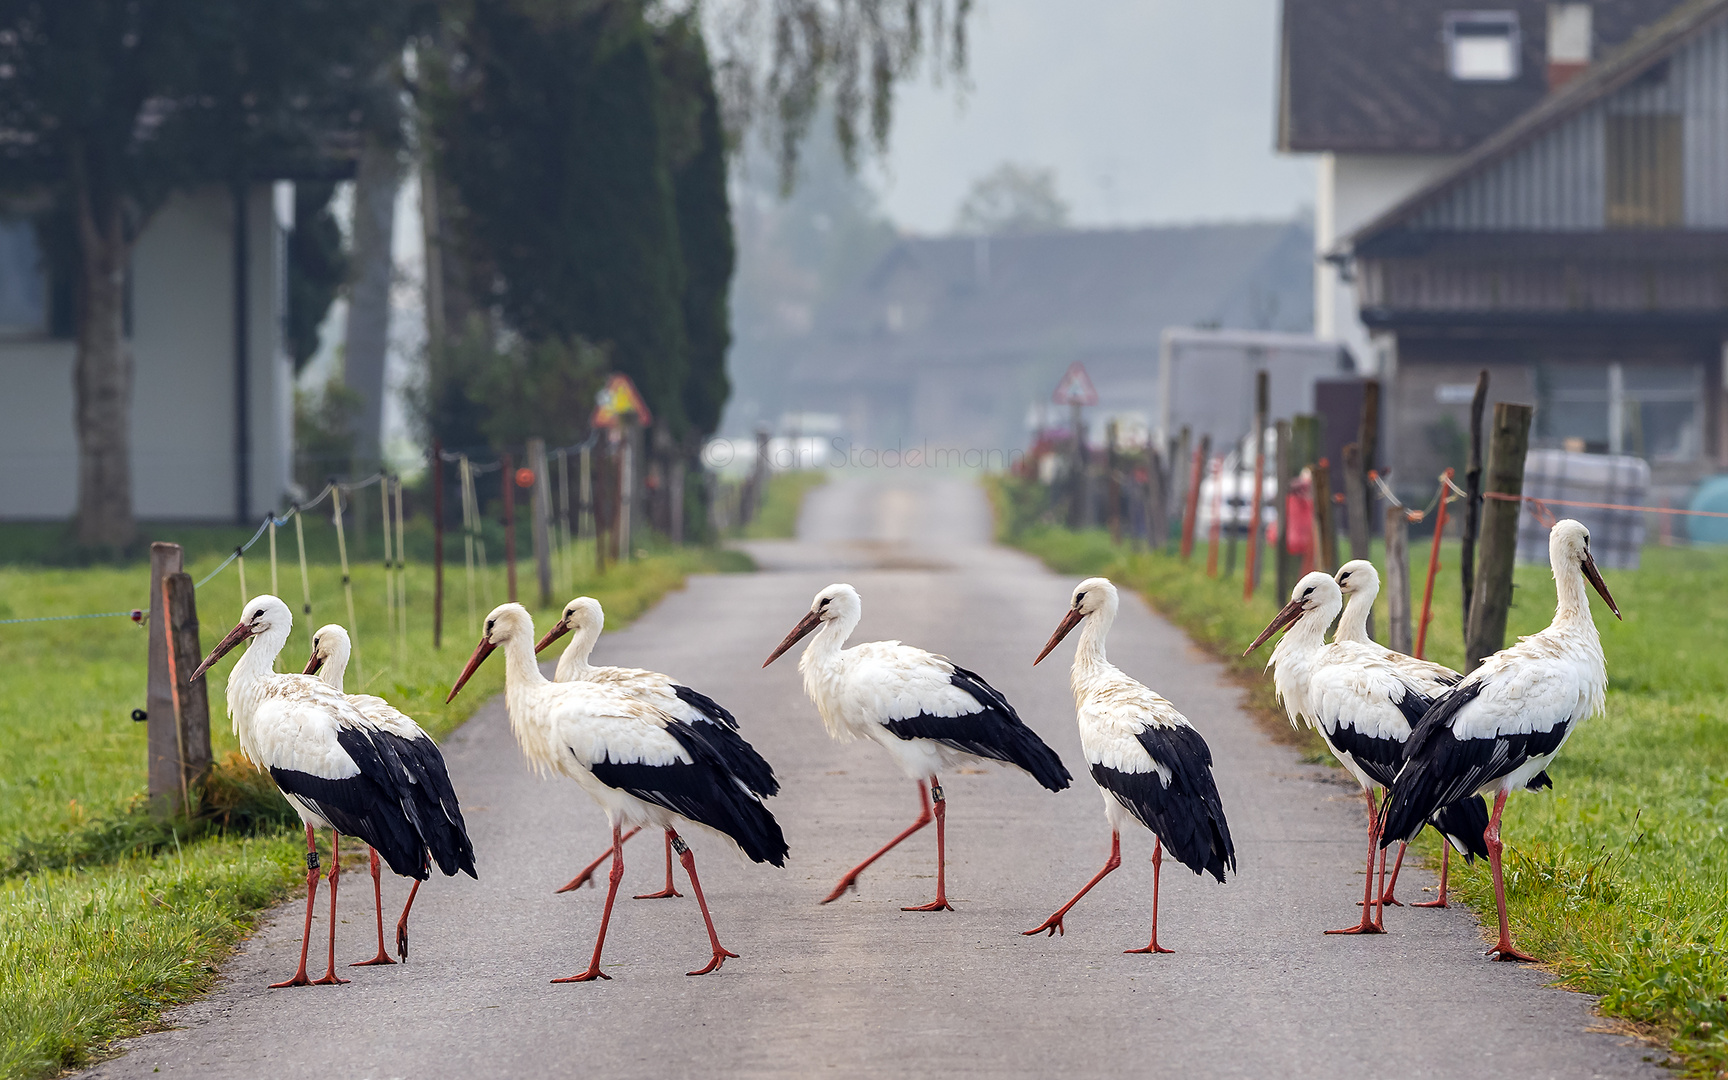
x=551 y=135
x=697 y=155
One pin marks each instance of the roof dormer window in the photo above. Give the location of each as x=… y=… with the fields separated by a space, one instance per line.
x=1482 y=46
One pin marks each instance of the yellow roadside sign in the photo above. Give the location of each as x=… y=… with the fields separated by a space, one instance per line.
x=618 y=399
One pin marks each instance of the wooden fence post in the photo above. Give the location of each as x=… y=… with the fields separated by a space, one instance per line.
x=1262 y=401
x=1157 y=510
x=1397 y=580
x=1473 y=494
x=1356 y=503
x=162 y=735
x=193 y=697
x=437 y=544
x=542 y=518
x=507 y=478
x=1286 y=572
x=1191 y=504
x=1325 y=524
x=1112 y=488
x=1508 y=443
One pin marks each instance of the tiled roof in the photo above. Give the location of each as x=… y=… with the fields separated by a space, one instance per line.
x=1369 y=76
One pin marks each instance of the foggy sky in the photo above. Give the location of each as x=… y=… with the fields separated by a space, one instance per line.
x=1151 y=111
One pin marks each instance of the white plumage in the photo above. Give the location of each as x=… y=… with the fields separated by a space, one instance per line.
x=1361 y=704
x=1499 y=728
x=584 y=619
x=1149 y=763
x=643 y=766
x=337 y=768
x=331 y=650
x=928 y=713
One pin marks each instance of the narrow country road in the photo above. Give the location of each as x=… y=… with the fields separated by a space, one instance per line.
x=858 y=987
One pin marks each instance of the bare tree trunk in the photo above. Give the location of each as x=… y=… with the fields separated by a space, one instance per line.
x=369 y=296
x=102 y=374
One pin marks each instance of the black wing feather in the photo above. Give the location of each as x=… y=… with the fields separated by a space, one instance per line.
x=359 y=806
x=1441 y=768
x=741 y=758
x=1188 y=815
x=995 y=732
x=414 y=770
x=1463 y=823
x=704 y=790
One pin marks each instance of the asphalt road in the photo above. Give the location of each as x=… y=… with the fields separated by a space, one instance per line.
x=858 y=987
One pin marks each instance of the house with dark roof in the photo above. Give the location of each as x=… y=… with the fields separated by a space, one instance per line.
x=1576 y=246
x=959 y=341
x=1391 y=94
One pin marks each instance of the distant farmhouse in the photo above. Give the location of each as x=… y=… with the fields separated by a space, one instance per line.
x=960 y=341
x=1538 y=189
x=212 y=395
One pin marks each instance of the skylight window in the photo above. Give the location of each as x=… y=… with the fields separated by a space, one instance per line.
x=1482 y=46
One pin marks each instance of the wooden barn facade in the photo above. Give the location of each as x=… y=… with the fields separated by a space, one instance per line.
x=1581 y=255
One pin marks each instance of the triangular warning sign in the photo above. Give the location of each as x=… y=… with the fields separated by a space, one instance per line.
x=1076 y=387
x=617 y=400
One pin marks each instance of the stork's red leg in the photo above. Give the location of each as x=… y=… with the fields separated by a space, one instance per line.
x=402 y=923
x=1387 y=897
x=1502 y=949
x=941 y=808
x=1053 y=924
x=1445 y=865
x=300 y=978
x=383 y=957
x=587 y=873
x=688 y=858
x=850 y=881
x=330 y=978
x=1157 y=866
x=614 y=878
x=1370 y=924
x=668 y=891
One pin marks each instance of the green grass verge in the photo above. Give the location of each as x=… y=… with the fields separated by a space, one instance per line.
x=1619 y=876
x=778 y=517
x=108 y=916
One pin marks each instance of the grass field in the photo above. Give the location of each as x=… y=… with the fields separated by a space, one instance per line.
x=106 y=916
x=1618 y=877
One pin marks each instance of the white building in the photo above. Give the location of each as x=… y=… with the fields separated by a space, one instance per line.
x=212 y=380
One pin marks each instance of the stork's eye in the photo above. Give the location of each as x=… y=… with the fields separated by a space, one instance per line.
x=259 y=614
x=824 y=603
x=1308 y=590
x=490 y=624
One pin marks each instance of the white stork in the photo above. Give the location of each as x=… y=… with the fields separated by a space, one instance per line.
x=1359 y=702
x=928 y=712
x=1149 y=763
x=331 y=649
x=338 y=770
x=641 y=764
x=1498 y=730
x=583 y=619
x=1462 y=822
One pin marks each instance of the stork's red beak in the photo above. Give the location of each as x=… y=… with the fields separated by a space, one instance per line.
x=1595 y=577
x=481 y=652
x=223 y=648
x=809 y=622
x=313 y=665
x=559 y=629
x=1068 y=623
x=1288 y=614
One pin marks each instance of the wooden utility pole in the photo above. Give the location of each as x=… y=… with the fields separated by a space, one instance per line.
x=1262 y=402
x=1077 y=455
x=1356 y=503
x=1508 y=443
x=1397 y=585
x=177 y=711
x=1157 y=509
x=541 y=506
x=507 y=478
x=1325 y=530
x=437 y=544
x=1173 y=479
x=1282 y=559
x=1473 y=494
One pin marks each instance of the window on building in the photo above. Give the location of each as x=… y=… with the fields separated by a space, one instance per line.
x=23 y=280
x=1482 y=46
x=1645 y=189
x=1653 y=411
